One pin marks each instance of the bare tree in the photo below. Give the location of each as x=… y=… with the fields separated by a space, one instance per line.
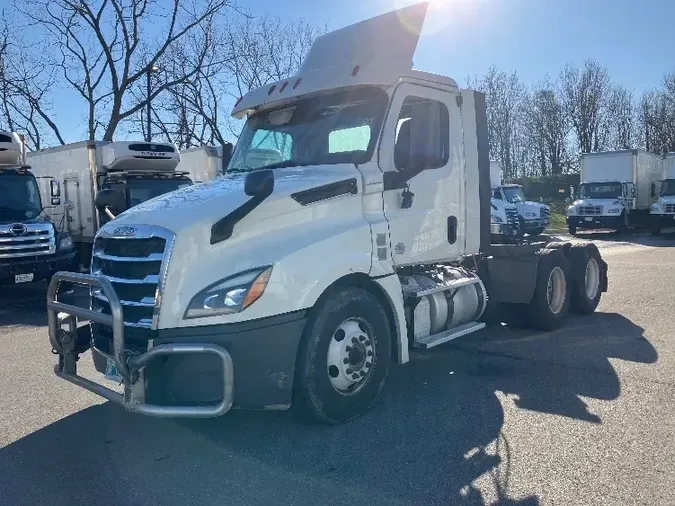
x=584 y=95
x=657 y=117
x=548 y=128
x=621 y=117
x=505 y=97
x=106 y=58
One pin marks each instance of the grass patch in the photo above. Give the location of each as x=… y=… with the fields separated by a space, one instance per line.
x=558 y=214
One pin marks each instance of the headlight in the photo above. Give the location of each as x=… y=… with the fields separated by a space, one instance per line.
x=65 y=242
x=655 y=209
x=530 y=215
x=613 y=211
x=571 y=211
x=497 y=219
x=230 y=295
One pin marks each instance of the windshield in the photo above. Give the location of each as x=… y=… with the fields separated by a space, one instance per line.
x=338 y=128
x=19 y=197
x=600 y=191
x=514 y=194
x=668 y=188
x=140 y=190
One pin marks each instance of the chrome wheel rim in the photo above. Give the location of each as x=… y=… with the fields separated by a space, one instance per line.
x=351 y=355
x=555 y=290
x=592 y=278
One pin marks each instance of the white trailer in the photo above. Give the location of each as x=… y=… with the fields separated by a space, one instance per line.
x=662 y=212
x=306 y=279
x=204 y=163
x=130 y=172
x=616 y=191
x=533 y=217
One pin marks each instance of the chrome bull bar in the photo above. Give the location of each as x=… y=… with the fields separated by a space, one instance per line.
x=128 y=365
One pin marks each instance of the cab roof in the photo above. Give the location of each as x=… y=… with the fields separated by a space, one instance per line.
x=375 y=52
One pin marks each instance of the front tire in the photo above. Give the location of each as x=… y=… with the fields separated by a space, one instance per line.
x=623 y=223
x=572 y=229
x=551 y=298
x=344 y=357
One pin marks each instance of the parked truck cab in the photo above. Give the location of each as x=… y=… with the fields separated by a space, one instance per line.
x=533 y=217
x=32 y=248
x=301 y=281
x=662 y=212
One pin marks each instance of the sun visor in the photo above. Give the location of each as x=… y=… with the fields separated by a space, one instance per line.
x=372 y=52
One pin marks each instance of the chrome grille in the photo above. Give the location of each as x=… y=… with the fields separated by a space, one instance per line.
x=590 y=210
x=136 y=266
x=669 y=208
x=545 y=213
x=512 y=217
x=27 y=240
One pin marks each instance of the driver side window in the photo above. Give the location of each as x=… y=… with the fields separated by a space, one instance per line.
x=422 y=134
x=496 y=194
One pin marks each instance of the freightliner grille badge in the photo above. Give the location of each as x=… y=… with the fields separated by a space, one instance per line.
x=124 y=231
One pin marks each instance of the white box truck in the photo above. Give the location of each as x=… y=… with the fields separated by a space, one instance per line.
x=616 y=190
x=303 y=281
x=32 y=247
x=662 y=212
x=533 y=217
x=120 y=174
x=204 y=163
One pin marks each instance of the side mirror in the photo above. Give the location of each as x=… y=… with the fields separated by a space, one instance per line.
x=56 y=201
x=55 y=188
x=541 y=200
x=68 y=205
x=653 y=189
x=259 y=183
x=111 y=199
x=632 y=191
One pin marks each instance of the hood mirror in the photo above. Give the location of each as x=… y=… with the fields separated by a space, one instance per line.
x=259 y=183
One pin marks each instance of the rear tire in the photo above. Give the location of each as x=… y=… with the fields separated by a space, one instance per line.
x=623 y=223
x=550 y=302
x=344 y=356
x=585 y=282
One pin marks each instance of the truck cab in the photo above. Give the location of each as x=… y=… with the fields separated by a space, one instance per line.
x=31 y=247
x=302 y=278
x=662 y=212
x=504 y=223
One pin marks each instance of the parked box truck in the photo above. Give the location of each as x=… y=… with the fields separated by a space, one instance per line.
x=616 y=190
x=32 y=247
x=662 y=212
x=125 y=173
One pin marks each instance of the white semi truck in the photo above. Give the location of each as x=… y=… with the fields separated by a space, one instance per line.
x=533 y=217
x=303 y=281
x=103 y=179
x=616 y=190
x=32 y=247
x=204 y=163
x=662 y=212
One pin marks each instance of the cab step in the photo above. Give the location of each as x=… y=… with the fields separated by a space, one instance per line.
x=448 y=335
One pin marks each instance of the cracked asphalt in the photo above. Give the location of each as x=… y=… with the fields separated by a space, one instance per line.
x=584 y=415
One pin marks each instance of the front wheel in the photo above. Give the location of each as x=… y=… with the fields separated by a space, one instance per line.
x=624 y=225
x=572 y=229
x=538 y=231
x=344 y=356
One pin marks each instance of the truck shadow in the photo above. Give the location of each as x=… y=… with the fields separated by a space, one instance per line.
x=26 y=304
x=435 y=438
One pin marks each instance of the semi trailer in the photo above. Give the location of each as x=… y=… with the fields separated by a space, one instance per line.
x=32 y=248
x=303 y=281
x=103 y=179
x=204 y=163
x=533 y=217
x=662 y=212
x=616 y=190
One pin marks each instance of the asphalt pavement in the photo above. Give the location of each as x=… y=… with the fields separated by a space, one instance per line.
x=584 y=415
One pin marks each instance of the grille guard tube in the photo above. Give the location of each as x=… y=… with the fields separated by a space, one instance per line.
x=127 y=367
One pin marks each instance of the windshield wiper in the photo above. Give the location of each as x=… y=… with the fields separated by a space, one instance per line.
x=277 y=165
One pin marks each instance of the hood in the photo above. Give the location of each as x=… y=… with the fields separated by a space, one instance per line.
x=529 y=206
x=667 y=198
x=8 y=219
x=605 y=203
x=207 y=203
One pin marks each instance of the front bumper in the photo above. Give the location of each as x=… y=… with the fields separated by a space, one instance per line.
x=185 y=372
x=503 y=231
x=42 y=267
x=595 y=222
x=536 y=224
x=662 y=220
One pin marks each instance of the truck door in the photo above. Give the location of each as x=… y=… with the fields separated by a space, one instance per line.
x=424 y=211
